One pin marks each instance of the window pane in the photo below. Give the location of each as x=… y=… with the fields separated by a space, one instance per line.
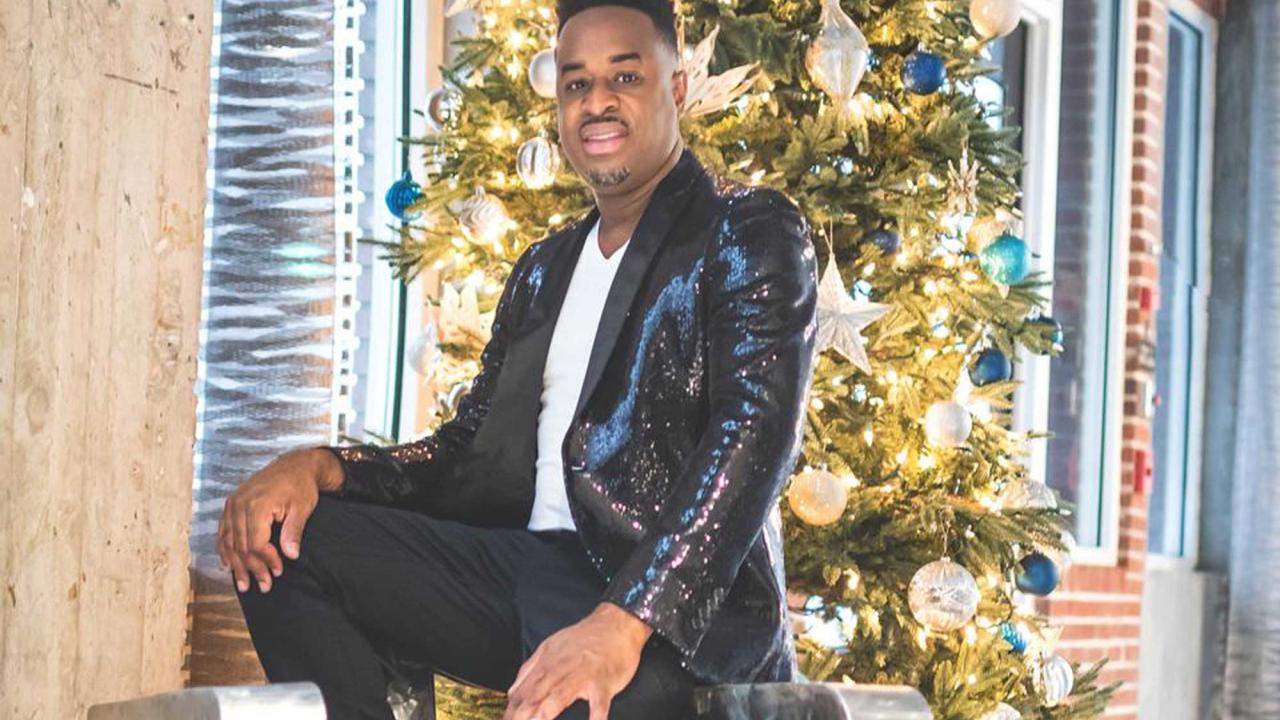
x=1175 y=321
x=1078 y=391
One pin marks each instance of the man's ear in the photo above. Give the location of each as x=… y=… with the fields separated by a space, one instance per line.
x=680 y=86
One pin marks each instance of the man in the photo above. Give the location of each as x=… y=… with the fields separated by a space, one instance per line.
x=595 y=531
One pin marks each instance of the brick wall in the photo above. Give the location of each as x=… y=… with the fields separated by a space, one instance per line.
x=1099 y=607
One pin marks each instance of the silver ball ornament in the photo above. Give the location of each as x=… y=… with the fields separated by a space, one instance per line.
x=542 y=73
x=947 y=424
x=943 y=596
x=1055 y=680
x=537 y=163
x=443 y=106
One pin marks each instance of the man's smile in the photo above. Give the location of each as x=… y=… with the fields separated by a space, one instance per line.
x=603 y=137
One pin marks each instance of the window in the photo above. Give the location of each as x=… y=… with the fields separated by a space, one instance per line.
x=1181 y=320
x=1077 y=395
x=382 y=312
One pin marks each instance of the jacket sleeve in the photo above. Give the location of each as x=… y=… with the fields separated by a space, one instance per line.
x=401 y=475
x=761 y=281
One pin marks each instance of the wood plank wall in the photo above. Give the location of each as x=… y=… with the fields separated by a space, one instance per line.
x=103 y=126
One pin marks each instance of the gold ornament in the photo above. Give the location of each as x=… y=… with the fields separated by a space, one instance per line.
x=837 y=57
x=817 y=497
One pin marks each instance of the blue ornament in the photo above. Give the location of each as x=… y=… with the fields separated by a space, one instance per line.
x=1054 y=330
x=1017 y=641
x=1006 y=260
x=403 y=193
x=923 y=72
x=991 y=366
x=1039 y=575
x=887 y=240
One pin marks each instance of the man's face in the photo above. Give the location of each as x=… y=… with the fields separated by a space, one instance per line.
x=618 y=92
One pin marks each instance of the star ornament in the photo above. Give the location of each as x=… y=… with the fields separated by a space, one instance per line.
x=841 y=319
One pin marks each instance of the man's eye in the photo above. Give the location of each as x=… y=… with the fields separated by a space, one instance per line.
x=627 y=75
x=572 y=84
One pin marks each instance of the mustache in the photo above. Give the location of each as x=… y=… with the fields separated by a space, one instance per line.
x=603 y=118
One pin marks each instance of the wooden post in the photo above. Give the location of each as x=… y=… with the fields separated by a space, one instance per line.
x=103 y=125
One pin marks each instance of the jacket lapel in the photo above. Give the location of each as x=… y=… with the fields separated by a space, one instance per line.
x=665 y=206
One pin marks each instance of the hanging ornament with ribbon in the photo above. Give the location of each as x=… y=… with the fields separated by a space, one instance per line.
x=837 y=57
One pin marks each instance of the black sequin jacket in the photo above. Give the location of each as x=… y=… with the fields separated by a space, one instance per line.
x=688 y=425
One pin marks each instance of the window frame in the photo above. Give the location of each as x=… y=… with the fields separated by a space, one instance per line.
x=1196 y=353
x=1031 y=399
x=407 y=24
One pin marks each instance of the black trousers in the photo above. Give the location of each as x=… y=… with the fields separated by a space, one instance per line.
x=374 y=586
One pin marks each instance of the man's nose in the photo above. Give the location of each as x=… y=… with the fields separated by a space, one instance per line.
x=599 y=99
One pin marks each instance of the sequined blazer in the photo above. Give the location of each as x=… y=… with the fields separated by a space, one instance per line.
x=688 y=425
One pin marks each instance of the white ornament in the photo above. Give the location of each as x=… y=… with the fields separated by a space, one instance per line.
x=425 y=355
x=837 y=57
x=817 y=497
x=1024 y=494
x=706 y=93
x=947 y=424
x=995 y=18
x=483 y=217
x=1002 y=712
x=1055 y=680
x=460 y=316
x=943 y=596
x=542 y=73
x=841 y=319
x=537 y=163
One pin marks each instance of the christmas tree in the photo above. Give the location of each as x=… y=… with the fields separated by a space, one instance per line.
x=914 y=535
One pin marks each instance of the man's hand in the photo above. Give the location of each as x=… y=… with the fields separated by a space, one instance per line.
x=593 y=660
x=286 y=490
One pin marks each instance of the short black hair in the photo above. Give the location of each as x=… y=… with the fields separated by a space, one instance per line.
x=661 y=12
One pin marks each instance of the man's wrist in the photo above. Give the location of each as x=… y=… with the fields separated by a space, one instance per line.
x=328 y=473
x=638 y=629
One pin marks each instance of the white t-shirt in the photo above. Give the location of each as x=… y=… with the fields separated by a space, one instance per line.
x=565 y=370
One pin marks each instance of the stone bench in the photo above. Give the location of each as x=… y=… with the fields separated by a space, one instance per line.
x=283 y=701
x=752 y=701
